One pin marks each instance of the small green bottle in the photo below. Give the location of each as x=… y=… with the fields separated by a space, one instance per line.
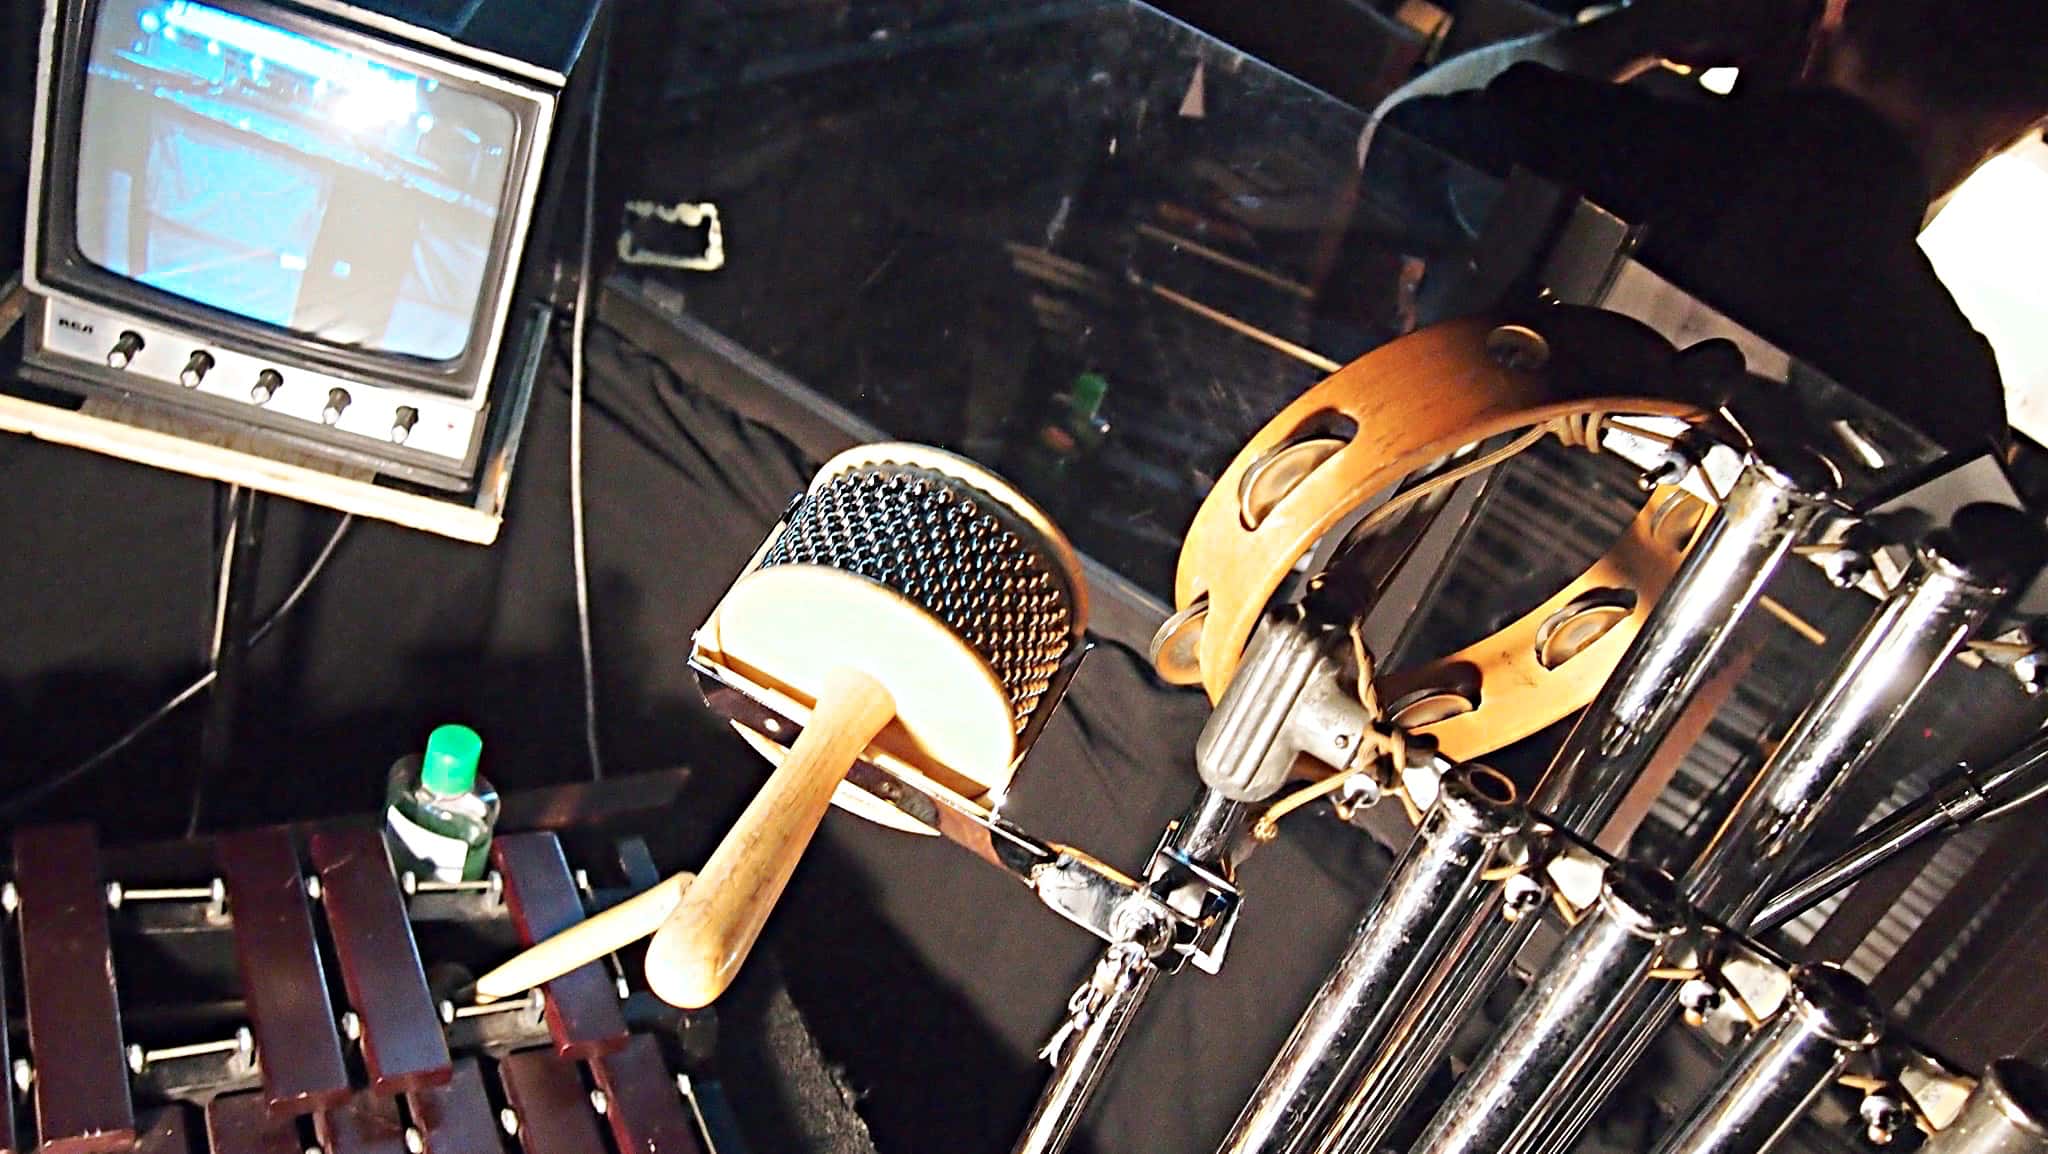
x=439 y=812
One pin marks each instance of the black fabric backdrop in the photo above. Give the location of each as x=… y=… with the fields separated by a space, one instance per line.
x=930 y=976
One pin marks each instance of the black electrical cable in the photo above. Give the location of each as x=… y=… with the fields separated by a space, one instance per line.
x=578 y=555
x=44 y=789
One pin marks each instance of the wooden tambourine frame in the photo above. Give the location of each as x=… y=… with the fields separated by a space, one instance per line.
x=1417 y=401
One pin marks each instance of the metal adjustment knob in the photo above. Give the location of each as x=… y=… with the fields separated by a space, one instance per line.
x=1884 y=1118
x=1521 y=895
x=402 y=422
x=337 y=402
x=267 y=383
x=124 y=349
x=196 y=367
x=1700 y=999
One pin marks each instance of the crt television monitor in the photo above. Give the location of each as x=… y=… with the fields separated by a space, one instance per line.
x=281 y=188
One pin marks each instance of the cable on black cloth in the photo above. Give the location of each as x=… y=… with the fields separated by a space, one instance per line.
x=41 y=791
x=578 y=553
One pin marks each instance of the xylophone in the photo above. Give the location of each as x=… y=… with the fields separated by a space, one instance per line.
x=276 y=1009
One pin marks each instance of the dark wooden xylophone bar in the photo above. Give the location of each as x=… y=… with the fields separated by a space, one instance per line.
x=243 y=1124
x=403 y=1046
x=644 y=1105
x=164 y=1132
x=278 y=959
x=582 y=1005
x=457 y=1118
x=67 y=967
x=365 y=1124
x=546 y=1092
x=7 y=1069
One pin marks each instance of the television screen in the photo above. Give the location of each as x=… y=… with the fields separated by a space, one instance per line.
x=242 y=165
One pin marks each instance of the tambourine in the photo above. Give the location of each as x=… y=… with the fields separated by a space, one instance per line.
x=1415 y=401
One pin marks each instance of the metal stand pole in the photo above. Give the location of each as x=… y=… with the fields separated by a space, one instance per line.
x=1766 y=513
x=1965 y=798
x=1102 y=1009
x=1126 y=981
x=1780 y=1071
x=1437 y=879
x=244 y=549
x=1957 y=579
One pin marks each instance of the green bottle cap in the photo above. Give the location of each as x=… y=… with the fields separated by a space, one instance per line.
x=450 y=763
x=1087 y=393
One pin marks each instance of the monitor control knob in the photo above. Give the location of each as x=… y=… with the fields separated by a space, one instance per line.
x=337 y=401
x=124 y=349
x=267 y=383
x=402 y=422
x=196 y=367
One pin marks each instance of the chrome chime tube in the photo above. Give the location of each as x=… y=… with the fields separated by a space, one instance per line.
x=1434 y=886
x=1606 y=957
x=1767 y=511
x=1952 y=587
x=1956 y=580
x=1777 y=1074
x=2006 y=1114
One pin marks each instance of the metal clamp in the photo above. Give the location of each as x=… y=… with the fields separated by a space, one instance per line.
x=1071 y=883
x=1286 y=699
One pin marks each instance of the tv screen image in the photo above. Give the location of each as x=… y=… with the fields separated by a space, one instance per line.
x=240 y=165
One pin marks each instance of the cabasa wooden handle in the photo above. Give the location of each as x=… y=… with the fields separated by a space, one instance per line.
x=695 y=954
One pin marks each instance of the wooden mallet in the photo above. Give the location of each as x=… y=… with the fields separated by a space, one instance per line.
x=912 y=607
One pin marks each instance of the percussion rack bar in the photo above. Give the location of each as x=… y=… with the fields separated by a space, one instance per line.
x=1375 y=1105
x=1767 y=511
x=1959 y=581
x=1952 y=587
x=367 y=1123
x=277 y=952
x=244 y=1124
x=403 y=1046
x=80 y=1086
x=163 y=1132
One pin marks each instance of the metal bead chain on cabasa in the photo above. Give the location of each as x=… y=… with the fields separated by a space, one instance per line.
x=952 y=550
